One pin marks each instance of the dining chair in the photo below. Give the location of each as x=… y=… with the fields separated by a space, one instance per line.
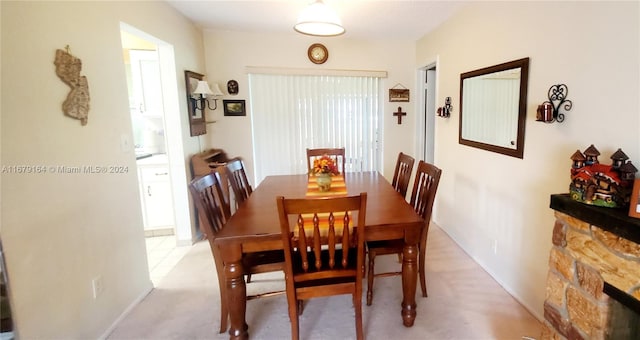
x=238 y=180
x=323 y=250
x=423 y=195
x=337 y=154
x=402 y=173
x=213 y=209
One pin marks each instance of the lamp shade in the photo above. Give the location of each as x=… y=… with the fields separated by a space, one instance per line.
x=203 y=88
x=216 y=91
x=318 y=19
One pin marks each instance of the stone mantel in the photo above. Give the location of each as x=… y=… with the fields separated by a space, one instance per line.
x=593 y=282
x=616 y=221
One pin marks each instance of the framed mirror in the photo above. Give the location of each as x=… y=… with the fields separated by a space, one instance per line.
x=196 y=110
x=493 y=107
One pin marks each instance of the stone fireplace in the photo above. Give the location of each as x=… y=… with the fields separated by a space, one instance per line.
x=593 y=283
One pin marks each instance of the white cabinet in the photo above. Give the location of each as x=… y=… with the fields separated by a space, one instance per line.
x=157 y=204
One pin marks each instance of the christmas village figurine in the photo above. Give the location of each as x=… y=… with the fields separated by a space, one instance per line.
x=599 y=184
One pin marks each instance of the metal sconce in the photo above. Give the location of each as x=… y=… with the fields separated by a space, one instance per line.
x=548 y=111
x=445 y=111
x=199 y=96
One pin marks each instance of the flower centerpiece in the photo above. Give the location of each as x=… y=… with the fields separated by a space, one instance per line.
x=324 y=167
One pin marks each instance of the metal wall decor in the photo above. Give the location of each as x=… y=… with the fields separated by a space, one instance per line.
x=445 y=111
x=549 y=111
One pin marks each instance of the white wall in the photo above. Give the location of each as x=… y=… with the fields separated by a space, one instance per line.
x=486 y=198
x=228 y=53
x=59 y=231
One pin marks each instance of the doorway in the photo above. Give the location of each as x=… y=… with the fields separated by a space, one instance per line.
x=157 y=135
x=427 y=78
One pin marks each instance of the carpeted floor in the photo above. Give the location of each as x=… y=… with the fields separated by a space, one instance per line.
x=464 y=303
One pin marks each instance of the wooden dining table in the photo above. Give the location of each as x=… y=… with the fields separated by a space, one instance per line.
x=255 y=227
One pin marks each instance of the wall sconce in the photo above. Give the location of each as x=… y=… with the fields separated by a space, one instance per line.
x=548 y=111
x=199 y=96
x=445 y=111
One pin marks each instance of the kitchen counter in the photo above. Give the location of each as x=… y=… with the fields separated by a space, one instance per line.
x=157 y=159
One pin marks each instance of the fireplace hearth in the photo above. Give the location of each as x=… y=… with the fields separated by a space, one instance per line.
x=593 y=283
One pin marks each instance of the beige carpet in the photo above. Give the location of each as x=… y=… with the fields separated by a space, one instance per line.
x=464 y=303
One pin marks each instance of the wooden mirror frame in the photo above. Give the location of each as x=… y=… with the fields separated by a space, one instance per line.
x=518 y=151
x=196 y=122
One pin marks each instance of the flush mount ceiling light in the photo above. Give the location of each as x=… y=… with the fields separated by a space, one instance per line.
x=319 y=20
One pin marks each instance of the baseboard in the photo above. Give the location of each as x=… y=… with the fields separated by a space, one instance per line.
x=126 y=312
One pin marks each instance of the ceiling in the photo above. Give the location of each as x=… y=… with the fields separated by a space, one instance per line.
x=362 y=19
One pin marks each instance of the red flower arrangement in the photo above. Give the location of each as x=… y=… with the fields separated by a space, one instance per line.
x=325 y=165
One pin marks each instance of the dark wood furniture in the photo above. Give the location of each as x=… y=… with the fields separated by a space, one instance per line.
x=422 y=197
x=402 y=173
x=203 y=162
x=256 y=227
x=213 y=209
x=323 y=250
x=338 y=155
x=238 y=180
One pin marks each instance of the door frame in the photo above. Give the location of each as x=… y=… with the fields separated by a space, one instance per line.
x=173 y=135
x=427 y=106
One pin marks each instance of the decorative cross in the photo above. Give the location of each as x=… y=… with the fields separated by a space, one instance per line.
x=399 y=114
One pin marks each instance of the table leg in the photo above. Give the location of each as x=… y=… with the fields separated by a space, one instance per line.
x=236 y=292
x=409 y=283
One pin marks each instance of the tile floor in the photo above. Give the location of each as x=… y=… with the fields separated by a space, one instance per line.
x=163 y=255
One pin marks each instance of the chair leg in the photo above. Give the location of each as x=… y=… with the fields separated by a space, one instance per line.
x=248 y=278
x=294 y=310
x=224 y=311
x=357 y=302
x=423 y=283
x=421 y=270
x=372 y=259
x=295 y=325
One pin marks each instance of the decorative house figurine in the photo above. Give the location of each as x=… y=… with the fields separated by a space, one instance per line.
x=599 y=184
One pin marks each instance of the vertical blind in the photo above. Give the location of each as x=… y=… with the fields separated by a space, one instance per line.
x=293 y=112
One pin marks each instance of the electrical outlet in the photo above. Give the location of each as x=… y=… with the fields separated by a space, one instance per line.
x=98 y=286
x=495 y=247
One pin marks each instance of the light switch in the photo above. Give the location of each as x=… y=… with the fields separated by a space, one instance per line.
x=125 y=143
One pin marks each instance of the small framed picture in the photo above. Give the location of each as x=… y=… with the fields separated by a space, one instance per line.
x=634 y=204
x=398 y=95
x=234 y=108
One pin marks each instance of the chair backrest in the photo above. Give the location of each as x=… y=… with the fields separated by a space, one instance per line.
x=238 y=180
x=211 y=203
x=311 y=226
x=337 y=154
x=402 y=173
x=424 y=191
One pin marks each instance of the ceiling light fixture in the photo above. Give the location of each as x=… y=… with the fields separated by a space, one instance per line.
x=319 y=20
